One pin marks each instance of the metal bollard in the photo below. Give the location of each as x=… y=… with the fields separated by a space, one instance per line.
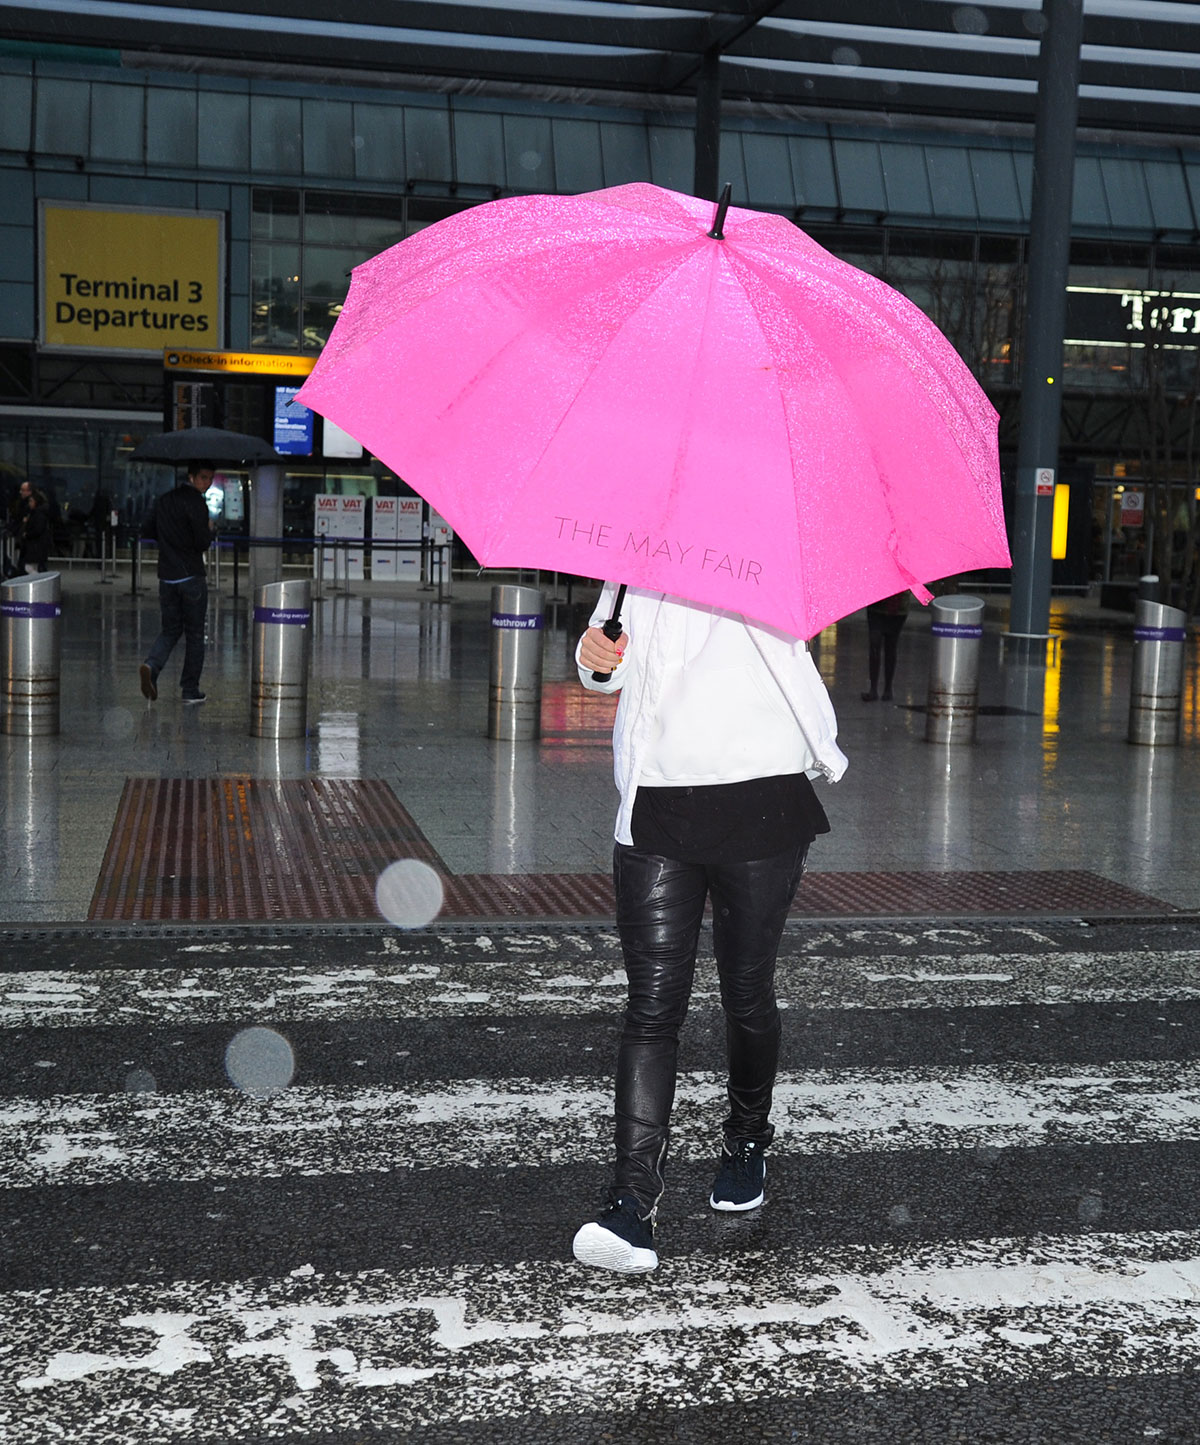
x=515 y=691
x=1157 y=680
x=31 y=649
x=954 y=670
x=280 y=656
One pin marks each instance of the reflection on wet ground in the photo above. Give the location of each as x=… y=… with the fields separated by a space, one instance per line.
x=398 y=693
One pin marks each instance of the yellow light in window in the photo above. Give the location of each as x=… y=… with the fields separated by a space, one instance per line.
x=1058 y=530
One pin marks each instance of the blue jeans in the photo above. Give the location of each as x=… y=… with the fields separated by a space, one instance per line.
x=184 y=606
x=660 y=907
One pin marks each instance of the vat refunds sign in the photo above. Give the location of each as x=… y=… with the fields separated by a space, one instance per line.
x=128 y=279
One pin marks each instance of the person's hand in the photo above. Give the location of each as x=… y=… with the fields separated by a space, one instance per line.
x=598 y=654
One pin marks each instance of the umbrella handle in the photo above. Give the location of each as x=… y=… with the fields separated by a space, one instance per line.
x=612 y=630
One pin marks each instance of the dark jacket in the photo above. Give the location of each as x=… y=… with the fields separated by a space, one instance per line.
x=178 y=522
x=35 y=538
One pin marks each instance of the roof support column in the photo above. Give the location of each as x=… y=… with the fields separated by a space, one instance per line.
x=1041 y=369
x=706 y=180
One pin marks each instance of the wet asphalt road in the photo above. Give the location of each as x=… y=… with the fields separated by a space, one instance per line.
x=982 y=1223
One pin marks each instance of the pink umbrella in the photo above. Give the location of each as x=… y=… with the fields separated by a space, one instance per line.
x=619 y=385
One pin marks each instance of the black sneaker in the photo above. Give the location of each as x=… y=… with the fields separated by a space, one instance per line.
x=621 y=1238
x=739 y=1181
x=149 y=691
x=196 y=700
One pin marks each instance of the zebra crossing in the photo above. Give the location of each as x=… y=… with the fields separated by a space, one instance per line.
x=983 y=1213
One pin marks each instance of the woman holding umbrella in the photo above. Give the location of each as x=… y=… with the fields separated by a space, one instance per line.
x=695 y=393
x=721 y=725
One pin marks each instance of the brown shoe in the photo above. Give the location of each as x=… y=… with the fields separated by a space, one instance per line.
x=149 y=691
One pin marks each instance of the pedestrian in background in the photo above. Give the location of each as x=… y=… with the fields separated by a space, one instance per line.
x=180 y=524
x=19 y=504
x=34 y=537
x=885 y=619
x=721 y=724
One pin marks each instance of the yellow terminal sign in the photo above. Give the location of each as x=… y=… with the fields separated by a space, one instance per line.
x=242 y=363
x=129 y=279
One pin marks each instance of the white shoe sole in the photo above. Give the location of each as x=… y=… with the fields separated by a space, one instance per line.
x=727 y=1206
x=603 y=1249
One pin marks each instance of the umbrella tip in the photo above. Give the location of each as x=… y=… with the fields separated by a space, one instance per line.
x=718 y=226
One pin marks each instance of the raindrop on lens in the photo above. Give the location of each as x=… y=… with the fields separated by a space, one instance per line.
x=140 y=1081
x=118 y=723
x=969 y=20
x=1091 y=1207
x=1035 y=22
x=409 y=893
x=899 y=1214
x=847 y=56
x=260 y=1062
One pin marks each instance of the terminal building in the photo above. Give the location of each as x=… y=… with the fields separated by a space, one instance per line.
x=184 y=192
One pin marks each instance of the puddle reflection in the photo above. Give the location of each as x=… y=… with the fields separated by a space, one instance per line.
x=1051 y=700
x=512 y=846
x=339 y=744
x=34 y=855
x=1151 y=798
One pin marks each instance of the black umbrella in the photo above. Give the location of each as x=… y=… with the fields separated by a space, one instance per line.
x=205 y=444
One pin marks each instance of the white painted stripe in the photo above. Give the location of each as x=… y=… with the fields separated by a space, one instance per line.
x=571 y=983
x=92 y=1139
x=313 y=1352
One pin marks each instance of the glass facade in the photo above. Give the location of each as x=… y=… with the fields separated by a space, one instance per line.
x=79 y=462
x=314 y=180
x=304 y=244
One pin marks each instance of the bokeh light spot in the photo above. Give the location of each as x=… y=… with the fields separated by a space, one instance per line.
x=970 y=20
x=260 y=1062
x=409 y=893
x=118 y=723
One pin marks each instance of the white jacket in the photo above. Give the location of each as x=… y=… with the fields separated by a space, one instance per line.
x=710 y=697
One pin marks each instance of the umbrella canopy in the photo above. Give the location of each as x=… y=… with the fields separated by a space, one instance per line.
x=599 y=385
x=205 y=443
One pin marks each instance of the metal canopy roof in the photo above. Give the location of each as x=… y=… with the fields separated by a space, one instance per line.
x=1141 y=58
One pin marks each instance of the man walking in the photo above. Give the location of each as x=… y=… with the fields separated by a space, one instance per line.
x=179 y=523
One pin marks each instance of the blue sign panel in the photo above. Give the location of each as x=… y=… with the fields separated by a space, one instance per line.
x=293 y=424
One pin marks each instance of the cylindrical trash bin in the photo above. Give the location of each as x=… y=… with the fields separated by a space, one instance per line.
x=957 y=629
x=1157 y=681
x=279 y=663
x=515 y=691
x=31 y=653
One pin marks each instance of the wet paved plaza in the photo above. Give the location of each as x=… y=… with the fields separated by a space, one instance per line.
x=398 y=697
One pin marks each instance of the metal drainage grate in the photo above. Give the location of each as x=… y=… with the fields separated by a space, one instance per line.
x=247 y=850
x=205 y=849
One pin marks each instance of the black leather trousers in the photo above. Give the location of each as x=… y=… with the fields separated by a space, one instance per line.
x=660 y=908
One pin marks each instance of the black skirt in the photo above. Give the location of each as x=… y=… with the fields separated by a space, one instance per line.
x=728 y=822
